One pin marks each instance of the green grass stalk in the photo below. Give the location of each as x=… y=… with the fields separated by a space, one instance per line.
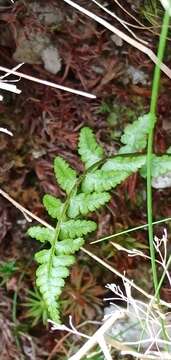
x=153 y=119
x=124 y=232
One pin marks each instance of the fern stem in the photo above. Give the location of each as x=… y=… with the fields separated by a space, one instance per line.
x=153 y=110
x=58 y=225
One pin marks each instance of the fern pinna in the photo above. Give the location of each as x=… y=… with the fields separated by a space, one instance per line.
x=84 y=194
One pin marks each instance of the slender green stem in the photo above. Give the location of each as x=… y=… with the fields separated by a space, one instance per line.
x=124 y=232
x=153 y=119
x=153 y=111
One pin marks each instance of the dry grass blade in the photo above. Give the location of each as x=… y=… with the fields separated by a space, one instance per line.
x=46 y=82
x=129 y=14
x=5 y=131
x=121 y=22
x=95 y=338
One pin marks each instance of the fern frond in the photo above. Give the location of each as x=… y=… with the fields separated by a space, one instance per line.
x=41 y=233
x=125 y=163
x=100 y=180
x=135 y=135
x=86 y=194
x=85 y=203
x=53 y=206
x=65 y=175
x=69 y=246
x=90 y=151
x=73 y=228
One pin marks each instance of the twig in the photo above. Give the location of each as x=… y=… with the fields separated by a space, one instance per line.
x=122 y=22
x=104 y=347
x=9 y=87
x=95 y=338
x=24 y=211
x=129 y=14
x=9 y=73
x=124 y=278
x=6 y=131
x=46 y=82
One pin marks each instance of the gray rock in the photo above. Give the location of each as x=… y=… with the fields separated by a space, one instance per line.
x=162 y=181
x=47 y=14
x=35 y=48
x=117 y=40
x=137 y=76
x=132 y=329
x=98 y=69
x=30 y=46
x=51 y=59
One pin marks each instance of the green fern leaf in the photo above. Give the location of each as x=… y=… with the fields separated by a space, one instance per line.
x=69 y=246
x=73 y=228
x=90 y=151
x=160 y=166
x=65 y=175
x=50 y=287
x=100 y=180
x=40 y=233
x=50 y=278
x=53 y=206
x=42 y=256
x=135 y=135
x=84 y=203
x=125 y=163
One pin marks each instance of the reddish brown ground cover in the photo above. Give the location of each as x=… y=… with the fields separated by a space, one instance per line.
x=46 y=122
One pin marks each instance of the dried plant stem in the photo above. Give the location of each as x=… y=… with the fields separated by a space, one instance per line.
x=124 y=278
x=26 y=213
x=46 y=82
x=96 y=337
x=122 y=22
x=5 y=131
